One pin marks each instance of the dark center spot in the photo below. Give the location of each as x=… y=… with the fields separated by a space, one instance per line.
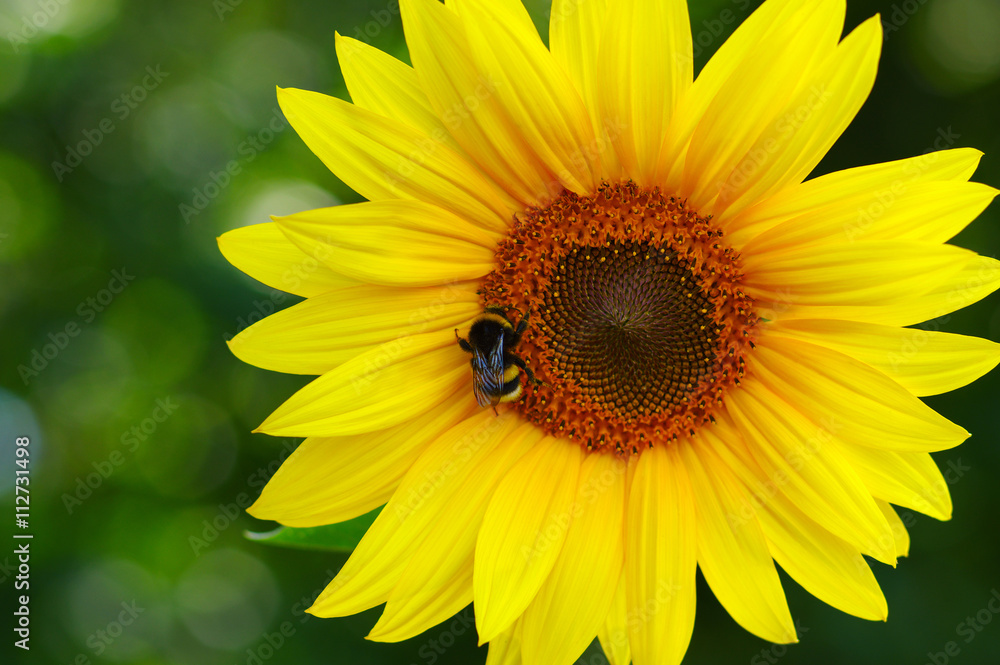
x=629 y=327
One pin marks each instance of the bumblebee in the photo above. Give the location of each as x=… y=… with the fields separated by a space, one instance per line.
x=496 y=369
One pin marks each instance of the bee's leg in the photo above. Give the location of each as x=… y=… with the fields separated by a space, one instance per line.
x=463 y=343
x=522 y=325
x=513 y=337
x=518 y=362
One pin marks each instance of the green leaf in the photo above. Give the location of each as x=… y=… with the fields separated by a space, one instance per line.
x=341 y=537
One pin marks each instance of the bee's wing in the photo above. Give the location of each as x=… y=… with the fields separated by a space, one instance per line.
x=487 y=375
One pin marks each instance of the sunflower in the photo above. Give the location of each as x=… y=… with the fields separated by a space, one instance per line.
x=726 y=374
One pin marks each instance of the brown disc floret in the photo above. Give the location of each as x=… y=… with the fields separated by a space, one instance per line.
x=639 y=322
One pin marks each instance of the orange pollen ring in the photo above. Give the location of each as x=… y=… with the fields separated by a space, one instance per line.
x=639 y=324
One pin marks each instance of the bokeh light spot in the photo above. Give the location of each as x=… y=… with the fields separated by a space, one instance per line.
x=280 y=197
x=961 y=40
x=163 y=328
x=17 y=419
x=227 y=599
x=191 y=452
x=116 y=608
x=29 y=205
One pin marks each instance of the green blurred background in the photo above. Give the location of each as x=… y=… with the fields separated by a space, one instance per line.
x=140 y=418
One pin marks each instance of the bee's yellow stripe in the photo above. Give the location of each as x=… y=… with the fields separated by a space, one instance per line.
x=513 y=395
x=490 y=316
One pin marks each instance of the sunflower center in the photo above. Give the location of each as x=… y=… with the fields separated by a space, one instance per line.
x=630 y=326
x=638 y=322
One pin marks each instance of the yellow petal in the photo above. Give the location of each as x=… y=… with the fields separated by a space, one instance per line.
x=333 y=479
x=825 y=565
x=660 y=558
x=799 y=455
x=573 y=603
x=575 y=29
x=466 y=101
x=394 y=243
x=523 y=533
x=614 y=633
x=380 y=83
x=974 y=281
x=380 y=388
x=443 y=598
x=791 y=146
x=263 y=252
x=432 y=483
x=858 y=404
x=868 y=191
x=505 y=648
x=932 y=212
x=925 y=362
x=911 y=480
x=733 y=554
x=383 y=158
x=534 y=92
x=437 y=582
x=756 y=95
x=971 y=280
x=767 y=25
x=794 y=283
x=325 y=331
x=644 y=68
x=902 y=536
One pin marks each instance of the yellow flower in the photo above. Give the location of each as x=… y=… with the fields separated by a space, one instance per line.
x=727 y=376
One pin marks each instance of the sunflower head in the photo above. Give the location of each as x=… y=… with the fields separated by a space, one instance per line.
x=693 y=350
x=643 y=319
